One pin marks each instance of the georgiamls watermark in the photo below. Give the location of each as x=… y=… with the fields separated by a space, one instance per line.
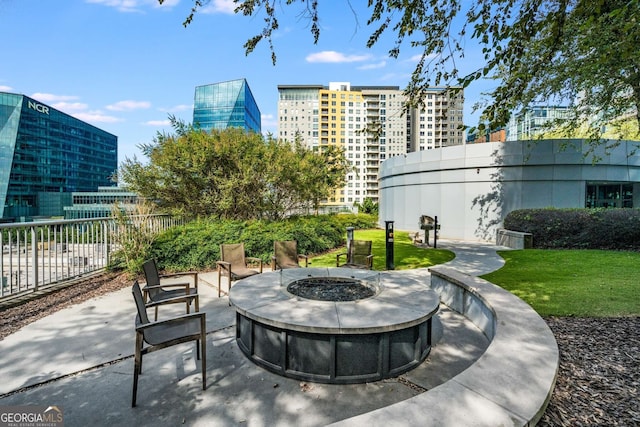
x=31 y=416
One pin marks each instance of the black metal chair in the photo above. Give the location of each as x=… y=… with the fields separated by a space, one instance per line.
x=166 y=333
x=157 y=291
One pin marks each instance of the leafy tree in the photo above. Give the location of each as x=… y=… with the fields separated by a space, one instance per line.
x=581 y=53
x=232 y=174
x=301 y=178
x=367 y=206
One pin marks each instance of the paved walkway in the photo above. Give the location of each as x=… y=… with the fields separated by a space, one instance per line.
x=80 y=359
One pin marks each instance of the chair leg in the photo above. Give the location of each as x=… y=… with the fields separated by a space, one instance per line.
x=219 y=282
x=156 y=315
x=137 y=368
x=229 y=292
x=203 y=351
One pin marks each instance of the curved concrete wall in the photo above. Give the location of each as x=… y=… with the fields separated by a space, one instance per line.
x=509 y=385
x=471 y=188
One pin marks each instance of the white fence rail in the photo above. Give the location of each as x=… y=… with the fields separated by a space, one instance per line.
x=39 y=254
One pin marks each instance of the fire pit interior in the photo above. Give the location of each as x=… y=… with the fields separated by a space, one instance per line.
x=334 y=325
x=332 y=288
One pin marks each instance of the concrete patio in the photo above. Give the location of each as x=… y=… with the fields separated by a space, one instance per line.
x=80 y=359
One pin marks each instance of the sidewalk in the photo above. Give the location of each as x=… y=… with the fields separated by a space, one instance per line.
x=82 y=357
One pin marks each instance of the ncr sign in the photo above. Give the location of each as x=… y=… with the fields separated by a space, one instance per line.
x=39 y=107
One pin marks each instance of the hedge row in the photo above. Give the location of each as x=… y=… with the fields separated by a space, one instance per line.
x=600 y=228
x=196 y=245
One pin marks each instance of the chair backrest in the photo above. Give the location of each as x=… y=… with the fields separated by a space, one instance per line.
x=142 y=317
x=233 y=253
x=286 y=253
x=152 y=276
x=360 y=250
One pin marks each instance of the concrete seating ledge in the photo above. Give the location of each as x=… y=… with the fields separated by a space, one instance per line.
x=514 y=239
x=509 y=385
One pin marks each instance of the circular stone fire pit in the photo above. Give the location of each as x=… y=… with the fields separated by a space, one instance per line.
x=331 y=289
x=334 y=325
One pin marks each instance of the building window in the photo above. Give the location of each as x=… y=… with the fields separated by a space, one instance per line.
x=609 y=195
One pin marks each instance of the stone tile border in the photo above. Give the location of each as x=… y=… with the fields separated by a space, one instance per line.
x=401 y=302
x=509 y=385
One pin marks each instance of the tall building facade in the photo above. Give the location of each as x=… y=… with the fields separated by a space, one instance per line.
x=529 y=123
x=226 y=104
x=370 y=124
x=45 y=155
x=100 y=203
x=439 y=123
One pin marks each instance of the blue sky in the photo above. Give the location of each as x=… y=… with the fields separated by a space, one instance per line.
x=125 y=65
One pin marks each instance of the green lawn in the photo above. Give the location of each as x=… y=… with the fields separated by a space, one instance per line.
x=583 y=283
x=406 y=254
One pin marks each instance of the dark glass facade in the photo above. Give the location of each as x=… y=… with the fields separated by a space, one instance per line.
x=45 y=155
x=224 y=105
x=609 y=195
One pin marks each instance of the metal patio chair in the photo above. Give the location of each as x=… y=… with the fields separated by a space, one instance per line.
x=285 y=255
x=153 y=336
x=357 y=256
x=234 y=264
x=156 y=290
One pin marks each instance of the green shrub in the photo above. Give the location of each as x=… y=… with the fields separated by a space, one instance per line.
x=196 y=245
x=359 y=221
x=600 y=228
x=133 y=233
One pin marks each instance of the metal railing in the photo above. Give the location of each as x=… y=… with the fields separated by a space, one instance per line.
x=39 y=254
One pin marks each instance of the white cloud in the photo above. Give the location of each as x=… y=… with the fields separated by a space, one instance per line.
x=129 y=105
x=69 y=107
x=335 y=57
x=166 y=3
x=120 y=5
x=5 y=88
x=268 y=120
x=49 y=97
x=395 y=77
x=129 y=6
x=61 y=102
x=157 y=123
x=219 y=6
x=177 y=108
x=415 y=58
x=79 y=110
x=380 y=64
x=96 y=117
x=269 y=123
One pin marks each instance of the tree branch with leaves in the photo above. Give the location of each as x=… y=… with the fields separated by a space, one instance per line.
x=579 y=53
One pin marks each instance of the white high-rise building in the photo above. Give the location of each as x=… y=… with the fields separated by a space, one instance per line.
x=371 y=125
x=529 y=123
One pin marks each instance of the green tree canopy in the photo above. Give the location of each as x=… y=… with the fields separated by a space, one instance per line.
x=232 y=174
x=580 y=53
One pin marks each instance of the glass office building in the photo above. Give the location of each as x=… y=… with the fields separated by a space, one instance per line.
x=45 y=155
x=226 y=104
x=100 y=204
